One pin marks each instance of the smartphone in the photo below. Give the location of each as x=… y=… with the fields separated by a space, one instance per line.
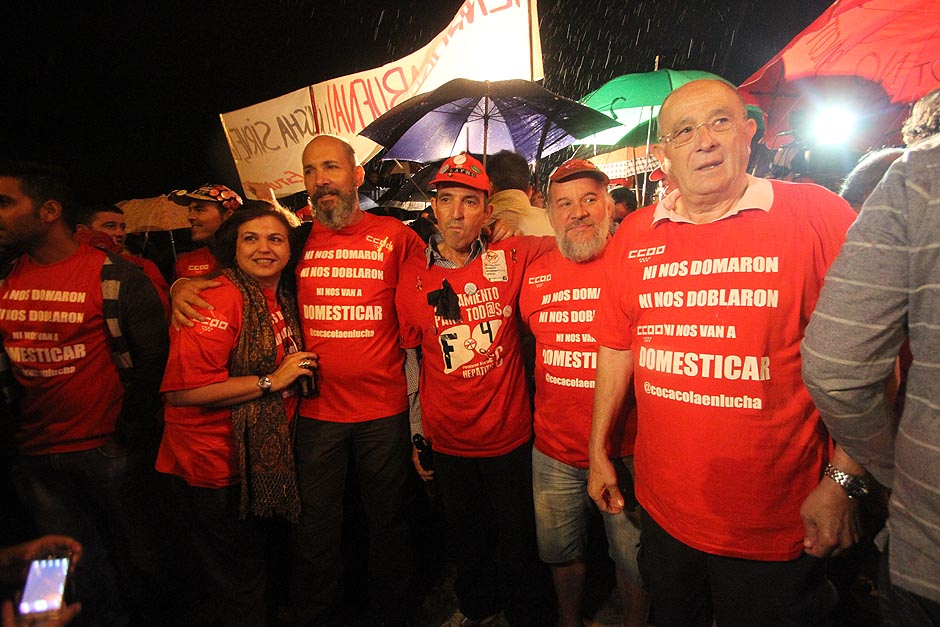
x=44 y=591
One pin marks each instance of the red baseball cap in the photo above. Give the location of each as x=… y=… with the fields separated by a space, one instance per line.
x=464 y=170
x=575 y=167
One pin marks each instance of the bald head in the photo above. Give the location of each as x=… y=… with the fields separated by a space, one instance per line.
x=331 y=142
x=704 y=83
x=332 y=178
x=704 y=146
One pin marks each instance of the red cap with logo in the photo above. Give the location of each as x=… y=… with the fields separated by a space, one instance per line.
x=464 y=170
x=578 y=167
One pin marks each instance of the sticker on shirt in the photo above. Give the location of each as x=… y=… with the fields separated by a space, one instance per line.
x=494 y=266
x=463 y=344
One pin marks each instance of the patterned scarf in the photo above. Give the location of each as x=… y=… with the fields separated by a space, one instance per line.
x=262 y=433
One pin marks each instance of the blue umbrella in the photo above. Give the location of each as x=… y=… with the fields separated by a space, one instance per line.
x=482 y=117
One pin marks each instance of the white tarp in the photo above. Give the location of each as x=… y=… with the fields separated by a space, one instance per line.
x=486 y=40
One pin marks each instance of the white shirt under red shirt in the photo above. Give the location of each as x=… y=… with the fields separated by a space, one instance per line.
x=474 y=400
x=558 y=303
x=346 y=294
x=729 y=443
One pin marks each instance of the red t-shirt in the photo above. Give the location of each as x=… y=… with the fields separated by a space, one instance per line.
x=198 y=445
x=195 y=263
x=346 y=294
x=729 y=443
x=558 y=301
x=474 y=401
x=54 y=333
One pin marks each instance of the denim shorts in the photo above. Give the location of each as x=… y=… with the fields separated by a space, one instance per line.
x=562 y=507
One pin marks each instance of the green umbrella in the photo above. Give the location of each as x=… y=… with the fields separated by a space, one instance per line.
x=633 y=99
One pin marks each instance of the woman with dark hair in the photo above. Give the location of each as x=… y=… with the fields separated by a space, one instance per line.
x=231 y=394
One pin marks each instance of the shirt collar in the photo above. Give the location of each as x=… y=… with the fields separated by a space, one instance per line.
x=758 y=195
x=435 y=258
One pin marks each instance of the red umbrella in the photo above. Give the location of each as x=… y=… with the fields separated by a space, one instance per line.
x=877 y=54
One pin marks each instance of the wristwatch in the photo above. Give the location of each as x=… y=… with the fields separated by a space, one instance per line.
x=855 y=486
x=264 y=382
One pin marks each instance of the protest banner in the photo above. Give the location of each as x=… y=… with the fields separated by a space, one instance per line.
x=267 y=139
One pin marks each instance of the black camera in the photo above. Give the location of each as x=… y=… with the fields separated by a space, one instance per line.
x=425 y=452
x=309 y=386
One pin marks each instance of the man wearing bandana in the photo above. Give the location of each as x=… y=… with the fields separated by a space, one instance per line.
x=208 y=207
x=459 y=304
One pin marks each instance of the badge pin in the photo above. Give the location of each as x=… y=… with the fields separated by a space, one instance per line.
x=470 y=289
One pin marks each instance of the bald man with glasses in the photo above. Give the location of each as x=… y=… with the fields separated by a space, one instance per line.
x=706 y=299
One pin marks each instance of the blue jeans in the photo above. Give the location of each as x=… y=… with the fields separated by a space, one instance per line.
x=562 y=507
x=89 y=495
x=381 y=452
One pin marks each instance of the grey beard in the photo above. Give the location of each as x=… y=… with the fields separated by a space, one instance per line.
x=337 y=217
x=580 y=252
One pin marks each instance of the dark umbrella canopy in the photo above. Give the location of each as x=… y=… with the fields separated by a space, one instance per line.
x=483 y=117
x=413 y=194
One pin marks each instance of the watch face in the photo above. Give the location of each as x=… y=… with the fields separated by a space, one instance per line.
x=856 y=488
x=264 y=383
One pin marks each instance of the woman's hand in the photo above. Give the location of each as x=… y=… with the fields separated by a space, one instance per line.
x=294 y=365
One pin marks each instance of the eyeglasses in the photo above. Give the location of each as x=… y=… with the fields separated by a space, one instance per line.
x=684 y=135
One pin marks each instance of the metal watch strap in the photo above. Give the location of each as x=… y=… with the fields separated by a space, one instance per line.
x=855 y=486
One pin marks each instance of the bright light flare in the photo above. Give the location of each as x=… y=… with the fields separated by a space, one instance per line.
x=834 y=125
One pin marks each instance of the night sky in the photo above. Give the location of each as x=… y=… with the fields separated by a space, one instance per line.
x=127 y=95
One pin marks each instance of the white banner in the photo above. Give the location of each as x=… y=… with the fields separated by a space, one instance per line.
x=486 y=40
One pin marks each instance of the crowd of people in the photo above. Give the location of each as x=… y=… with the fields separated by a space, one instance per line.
x=677 y=373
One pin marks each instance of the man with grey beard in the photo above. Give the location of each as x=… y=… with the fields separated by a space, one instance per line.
x=346 y=277
x=346 y=280
x=558 y=300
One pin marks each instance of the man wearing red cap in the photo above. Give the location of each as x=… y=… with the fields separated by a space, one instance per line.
x=559 y=298
x=209 y=206
x=459 y=304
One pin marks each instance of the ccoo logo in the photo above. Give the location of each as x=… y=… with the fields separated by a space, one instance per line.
x=646 y=252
